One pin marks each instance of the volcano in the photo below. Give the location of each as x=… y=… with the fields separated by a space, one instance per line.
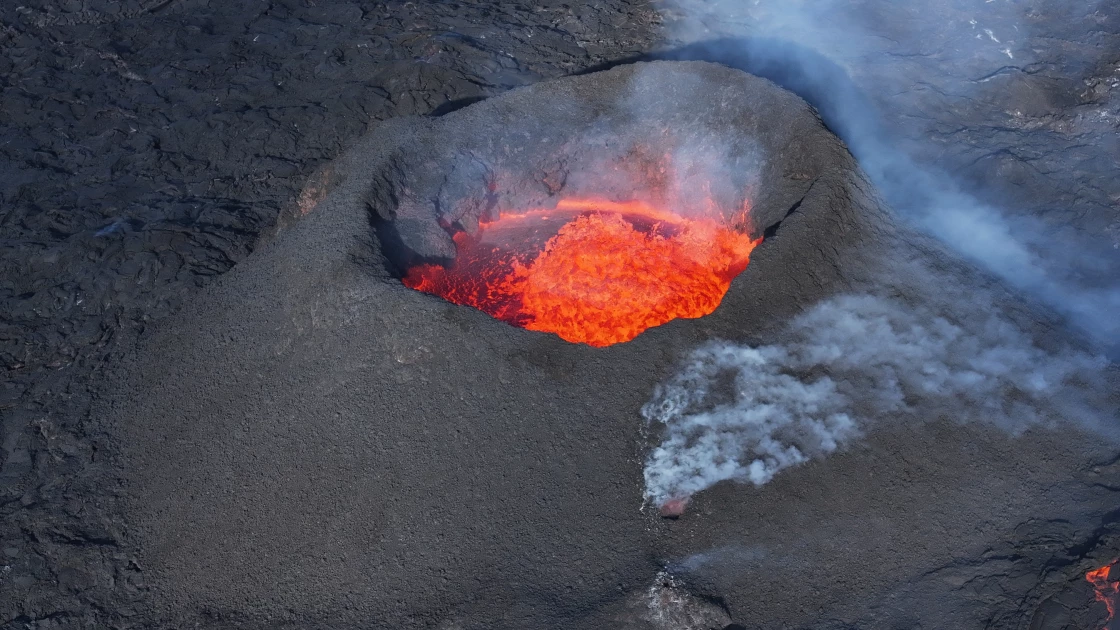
x=314 y=442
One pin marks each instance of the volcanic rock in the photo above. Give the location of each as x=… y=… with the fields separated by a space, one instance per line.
x=311 y=443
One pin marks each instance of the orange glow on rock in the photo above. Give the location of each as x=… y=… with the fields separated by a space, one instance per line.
x=673 y=508
x=1105 y=587
x=592 y=271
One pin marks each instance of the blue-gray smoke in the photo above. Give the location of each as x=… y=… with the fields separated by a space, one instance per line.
x=820 y=48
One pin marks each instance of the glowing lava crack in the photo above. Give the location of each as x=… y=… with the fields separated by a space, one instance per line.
x=1106 y=587
x=591 y=271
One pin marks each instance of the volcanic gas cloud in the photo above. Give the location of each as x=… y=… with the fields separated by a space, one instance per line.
x=590 y=270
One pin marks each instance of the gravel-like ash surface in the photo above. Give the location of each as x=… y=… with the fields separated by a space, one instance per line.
x=312 y=443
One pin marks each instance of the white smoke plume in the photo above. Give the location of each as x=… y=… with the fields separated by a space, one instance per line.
x=742 y=413
x=836 y=53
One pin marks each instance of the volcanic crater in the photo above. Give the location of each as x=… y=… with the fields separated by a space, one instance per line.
x=322 y=443
x=649 y=245
x=594 y=222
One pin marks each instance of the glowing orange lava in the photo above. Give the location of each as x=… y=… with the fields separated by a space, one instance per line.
x=1105 y=587
x=592 y=271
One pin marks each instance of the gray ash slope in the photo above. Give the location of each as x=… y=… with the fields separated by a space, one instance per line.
x=312 y=443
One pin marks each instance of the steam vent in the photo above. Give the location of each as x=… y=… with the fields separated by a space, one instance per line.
x=447 y=396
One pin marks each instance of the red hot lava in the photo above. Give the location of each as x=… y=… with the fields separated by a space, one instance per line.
x=1106 y=588
x=591 y=271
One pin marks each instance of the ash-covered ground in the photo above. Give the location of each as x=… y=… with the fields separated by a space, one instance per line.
x=150 y=145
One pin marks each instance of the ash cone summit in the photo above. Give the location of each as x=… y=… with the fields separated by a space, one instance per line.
x=313 y=443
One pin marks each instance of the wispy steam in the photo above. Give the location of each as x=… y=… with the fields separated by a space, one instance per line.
x=832 y=51
x=733 y=557
x=742 y=413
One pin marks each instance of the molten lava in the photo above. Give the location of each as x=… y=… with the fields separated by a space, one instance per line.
x=592 y=271
x=1106 y=588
